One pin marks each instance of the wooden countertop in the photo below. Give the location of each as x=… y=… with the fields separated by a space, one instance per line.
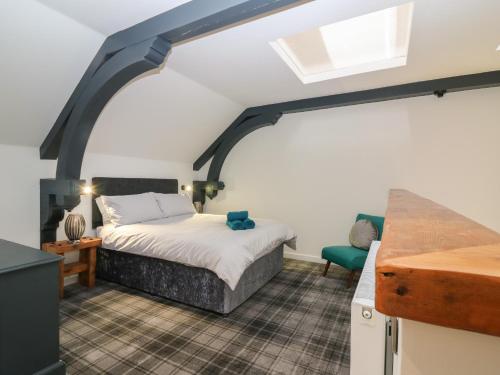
x=437 y=266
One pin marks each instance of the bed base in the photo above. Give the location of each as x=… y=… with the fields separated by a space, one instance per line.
x=194 y=286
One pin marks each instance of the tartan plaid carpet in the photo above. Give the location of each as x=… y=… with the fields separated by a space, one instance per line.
x=296 y=324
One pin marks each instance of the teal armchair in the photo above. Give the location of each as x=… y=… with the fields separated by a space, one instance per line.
x=351 y=257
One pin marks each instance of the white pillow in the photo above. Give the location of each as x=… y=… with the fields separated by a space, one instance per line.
x=175 y=204
x=104 y=212
x=131 y=209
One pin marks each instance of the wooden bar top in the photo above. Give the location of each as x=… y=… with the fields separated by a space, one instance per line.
x=437 y=266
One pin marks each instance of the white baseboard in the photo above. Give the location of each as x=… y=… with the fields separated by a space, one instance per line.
x=305 y=257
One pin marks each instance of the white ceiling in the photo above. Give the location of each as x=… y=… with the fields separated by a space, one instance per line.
x=448 y=37
x=180 y=116
x=110 y=16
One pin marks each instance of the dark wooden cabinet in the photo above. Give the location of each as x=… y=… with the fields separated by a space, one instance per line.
x=29 y=311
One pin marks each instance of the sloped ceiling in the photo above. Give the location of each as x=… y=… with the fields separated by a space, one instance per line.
x=110 y=16
x=448 y=37
x=47 y=45
x=45 y=52
x=43 y=56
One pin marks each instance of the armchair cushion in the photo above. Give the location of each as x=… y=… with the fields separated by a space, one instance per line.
x=346 y=256
x=377 y=220
x=363 y=232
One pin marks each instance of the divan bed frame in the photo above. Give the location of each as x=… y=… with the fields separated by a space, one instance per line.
x=191 y=285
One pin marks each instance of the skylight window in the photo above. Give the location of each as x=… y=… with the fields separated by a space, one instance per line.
x=367 y=43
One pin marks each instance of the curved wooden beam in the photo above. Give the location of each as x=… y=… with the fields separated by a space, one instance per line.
x=210 y=151
x=249 y=125
x=252 y=118
x=183 y=23
x=111 y=77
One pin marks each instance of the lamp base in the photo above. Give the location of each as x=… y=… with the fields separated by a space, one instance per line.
x=74 y=227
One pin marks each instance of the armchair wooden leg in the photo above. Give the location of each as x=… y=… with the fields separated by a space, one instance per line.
x=327 y=265
x=350 y=279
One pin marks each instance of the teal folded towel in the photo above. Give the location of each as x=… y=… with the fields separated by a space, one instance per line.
x=248 y=224
x=235 y=224
x=237 y=215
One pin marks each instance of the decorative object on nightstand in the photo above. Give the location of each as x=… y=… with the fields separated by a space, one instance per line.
x=198 y=206
x=74 y=227
x=85 y=267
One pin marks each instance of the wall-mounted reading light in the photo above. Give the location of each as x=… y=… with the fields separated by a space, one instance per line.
x=189 y=192
x=87 y=190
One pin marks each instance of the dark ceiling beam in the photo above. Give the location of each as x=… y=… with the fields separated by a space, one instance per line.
x=63 y=193
x=114 y=74
x=210 y=151
x=239 y=129
x=236 y=134
x=177 y=25
x=436 y=87
x=52 y=142
x=199 y=17
x=408 y=90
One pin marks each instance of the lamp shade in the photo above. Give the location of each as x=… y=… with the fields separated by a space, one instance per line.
x=74 y=227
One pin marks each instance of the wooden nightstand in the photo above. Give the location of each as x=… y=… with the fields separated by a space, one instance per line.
x=85 y=267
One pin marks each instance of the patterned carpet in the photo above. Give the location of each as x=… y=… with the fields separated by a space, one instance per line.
x=296 y=324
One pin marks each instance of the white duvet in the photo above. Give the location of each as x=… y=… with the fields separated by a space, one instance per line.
x=199 y=240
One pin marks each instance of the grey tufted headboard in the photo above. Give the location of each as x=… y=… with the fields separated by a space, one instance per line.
x=127 y=186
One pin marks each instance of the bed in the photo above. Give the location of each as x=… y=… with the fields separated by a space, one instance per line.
x=193 y=259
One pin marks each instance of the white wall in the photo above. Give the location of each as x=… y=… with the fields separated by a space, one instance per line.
x=426 y=349
x=316 y=170
x=164 y=116
x=20 y=193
